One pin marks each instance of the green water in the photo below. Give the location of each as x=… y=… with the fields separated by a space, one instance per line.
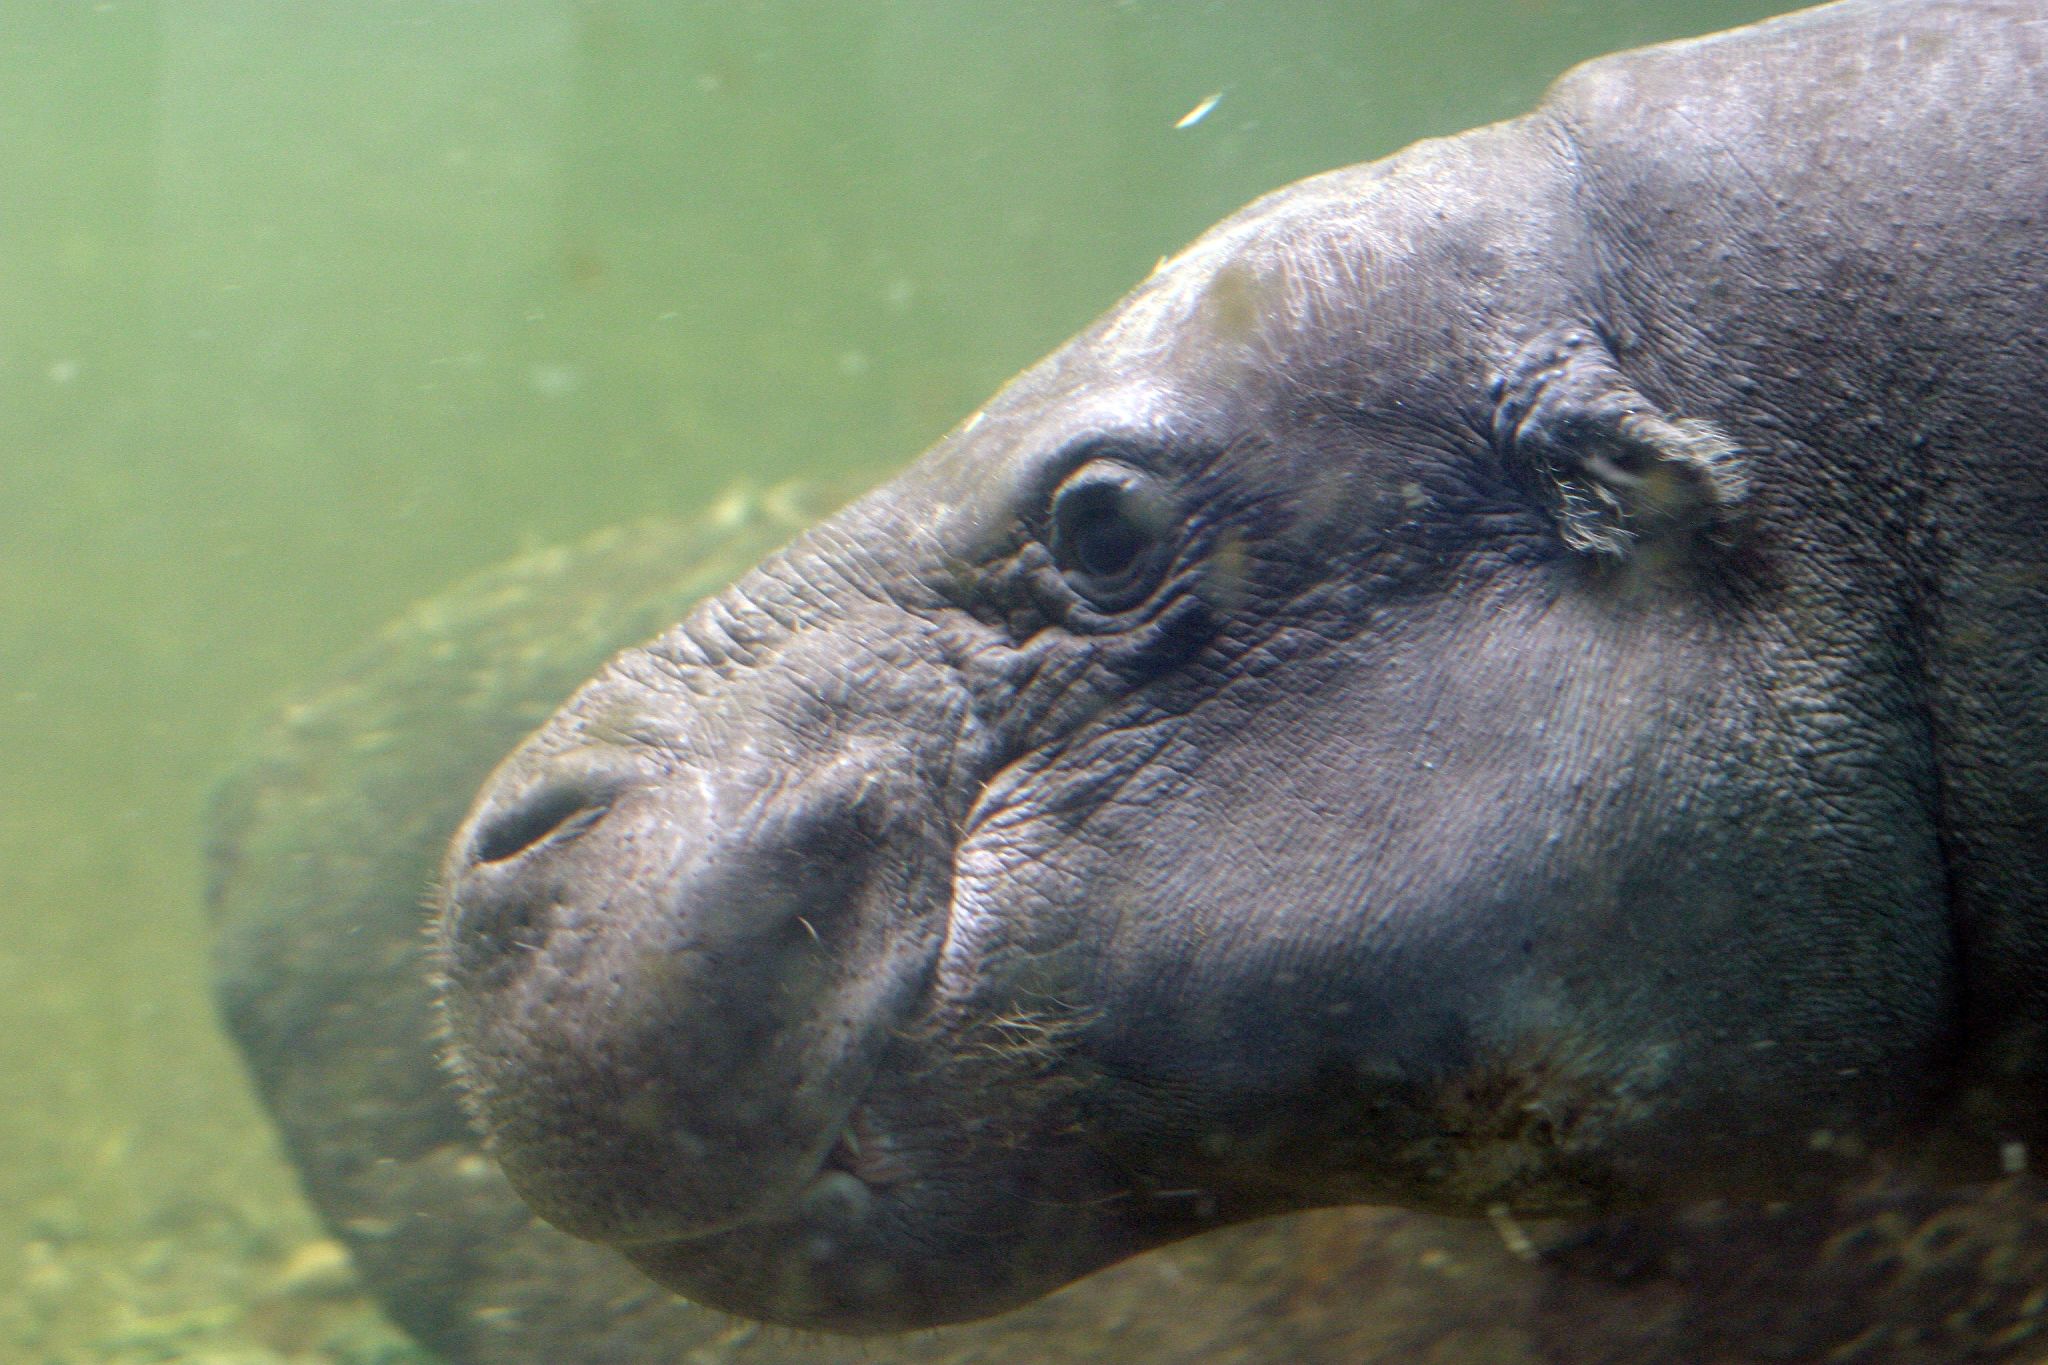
x=308 y=308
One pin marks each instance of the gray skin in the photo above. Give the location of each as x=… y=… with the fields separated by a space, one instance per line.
x=1510 y=678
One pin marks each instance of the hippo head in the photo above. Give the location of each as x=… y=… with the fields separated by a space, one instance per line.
x=1331 y=733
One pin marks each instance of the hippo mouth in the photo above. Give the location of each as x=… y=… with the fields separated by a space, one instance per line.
x=866 y=1151
x=861 y=1162
x=890 y=1234
x=845 y=1253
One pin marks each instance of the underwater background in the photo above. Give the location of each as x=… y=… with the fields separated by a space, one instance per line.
x=308 y=309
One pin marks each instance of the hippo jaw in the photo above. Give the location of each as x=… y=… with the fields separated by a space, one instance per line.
x=1297 y=746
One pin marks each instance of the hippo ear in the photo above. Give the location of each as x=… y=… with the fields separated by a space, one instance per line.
x=1618 y=471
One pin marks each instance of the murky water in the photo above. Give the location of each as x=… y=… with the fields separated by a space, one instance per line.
x=307 y=309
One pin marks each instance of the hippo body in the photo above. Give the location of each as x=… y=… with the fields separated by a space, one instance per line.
x=1508 y=680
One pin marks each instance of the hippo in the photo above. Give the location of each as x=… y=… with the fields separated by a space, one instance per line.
x=1506 y=681
x=325 y=835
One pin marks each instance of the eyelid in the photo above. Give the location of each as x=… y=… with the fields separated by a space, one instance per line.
x=1129 y=449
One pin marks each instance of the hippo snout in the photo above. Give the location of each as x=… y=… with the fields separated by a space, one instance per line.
x=646 y=982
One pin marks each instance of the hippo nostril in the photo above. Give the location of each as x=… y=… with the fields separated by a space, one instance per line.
x=555 y=810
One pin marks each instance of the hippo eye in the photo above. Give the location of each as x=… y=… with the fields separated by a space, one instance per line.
x=1109 y=526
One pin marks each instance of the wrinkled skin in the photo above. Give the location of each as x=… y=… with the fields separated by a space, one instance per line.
x=1508 y=678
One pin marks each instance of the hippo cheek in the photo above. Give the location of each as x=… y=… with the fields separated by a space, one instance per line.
x=1461 y=965
x=665 y=994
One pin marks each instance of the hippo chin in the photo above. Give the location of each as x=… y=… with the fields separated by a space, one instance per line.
x=1512 y=678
